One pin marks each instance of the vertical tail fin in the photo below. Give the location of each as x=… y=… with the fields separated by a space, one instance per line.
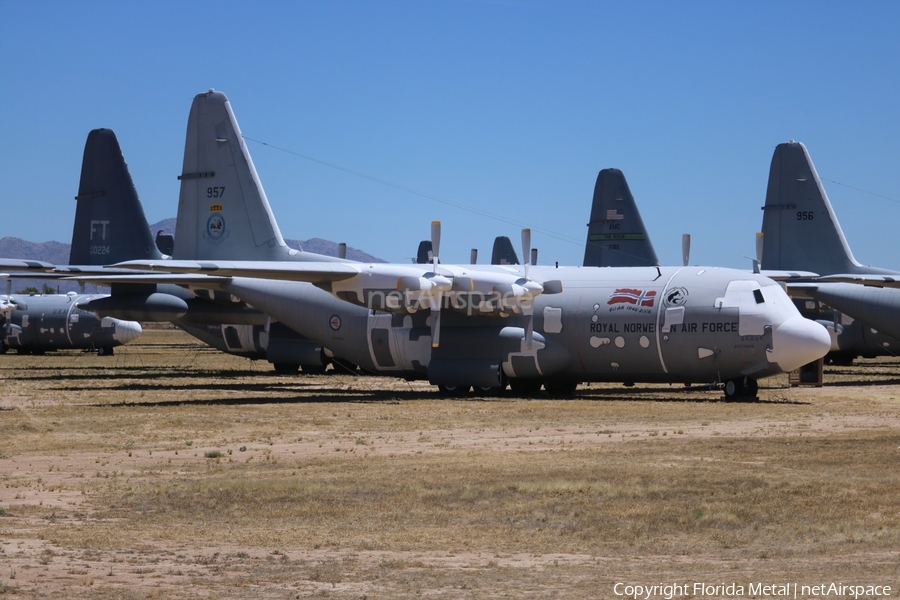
x=424 y=253
x=110 y=225
x=223 y=212
x=800 y=230
x=616 y=233
x=503 y=252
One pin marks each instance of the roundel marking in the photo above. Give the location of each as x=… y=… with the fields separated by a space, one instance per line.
x=335 y=322
x=215 y=227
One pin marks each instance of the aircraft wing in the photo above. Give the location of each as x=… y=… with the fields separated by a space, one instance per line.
x=17 y=264
x=397 y=288
x=887 y=281
x=312 y=272
x=145 y=278
x=420 y=282
x=789 y=275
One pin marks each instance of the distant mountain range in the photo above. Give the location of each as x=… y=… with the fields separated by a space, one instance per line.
x=58 y=253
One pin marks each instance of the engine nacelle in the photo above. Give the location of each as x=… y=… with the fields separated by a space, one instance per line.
x=138 y=307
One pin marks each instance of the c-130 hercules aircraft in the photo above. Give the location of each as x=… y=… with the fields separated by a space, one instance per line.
x=482 y=325
x=110 y=226
x=38 y=323
x=801 y=232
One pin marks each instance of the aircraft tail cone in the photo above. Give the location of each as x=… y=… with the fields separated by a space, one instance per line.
x=797 y=342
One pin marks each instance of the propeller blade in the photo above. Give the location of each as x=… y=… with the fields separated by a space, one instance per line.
x=528 y=311
x=473 y=256
x=435 y=304
x=759 y=251
x=8 y=315
x=686 y=248
x=534 y=256
x=435 y=299
x=526 y=248
x=435 y=242
x=342 y=250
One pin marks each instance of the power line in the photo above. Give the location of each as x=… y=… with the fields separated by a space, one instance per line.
x=415 y=192
x=859 y=190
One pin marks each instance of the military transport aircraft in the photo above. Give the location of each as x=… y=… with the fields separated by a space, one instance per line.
x=110 y=226
x=108 y=206
x=38 y=323
x=483 y=325
x=801 y=233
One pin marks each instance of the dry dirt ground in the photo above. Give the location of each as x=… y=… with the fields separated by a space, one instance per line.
x=170 y=470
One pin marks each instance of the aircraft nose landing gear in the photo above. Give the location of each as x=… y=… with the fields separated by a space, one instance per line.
x=742 y=388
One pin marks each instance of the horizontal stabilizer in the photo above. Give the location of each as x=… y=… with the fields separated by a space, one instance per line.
x=789 y=275
x=874 y=280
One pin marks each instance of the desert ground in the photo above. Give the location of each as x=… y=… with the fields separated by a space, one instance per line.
x=171 y=470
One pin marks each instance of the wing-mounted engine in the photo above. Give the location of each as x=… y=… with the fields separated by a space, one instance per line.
x=7 y=306
x=475 y=292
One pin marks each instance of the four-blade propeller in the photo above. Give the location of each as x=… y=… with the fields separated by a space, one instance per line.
x=7 y=306
x=496 y=292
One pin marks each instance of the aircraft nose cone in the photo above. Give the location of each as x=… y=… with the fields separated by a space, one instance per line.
x=127 y=331
x=799 y=341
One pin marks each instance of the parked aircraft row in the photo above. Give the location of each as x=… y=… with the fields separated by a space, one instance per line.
x=459 y=326
x=34 y=324
x=802 y=233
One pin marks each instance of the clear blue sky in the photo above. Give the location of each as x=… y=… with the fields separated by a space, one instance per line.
x=504 y=107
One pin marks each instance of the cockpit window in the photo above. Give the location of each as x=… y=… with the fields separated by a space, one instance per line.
x=758 y=295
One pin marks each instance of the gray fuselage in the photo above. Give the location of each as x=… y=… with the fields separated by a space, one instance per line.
x=54 y=322
x=647 y=324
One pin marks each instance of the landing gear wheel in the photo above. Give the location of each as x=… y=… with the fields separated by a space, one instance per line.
x=453 y=391
x=525 y=387
x=561 y=389
x=744 y=387
x=839 y=359
x=752 y=387
x=731 y=388
x=493 y=392
x=313 y=369
x=285 y=368
x=104 y=351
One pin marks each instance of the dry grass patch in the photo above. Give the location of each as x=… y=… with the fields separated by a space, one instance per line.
x=178 y=471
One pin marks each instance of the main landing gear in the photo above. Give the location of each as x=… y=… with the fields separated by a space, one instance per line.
x=522 y=388
x=742 y=388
